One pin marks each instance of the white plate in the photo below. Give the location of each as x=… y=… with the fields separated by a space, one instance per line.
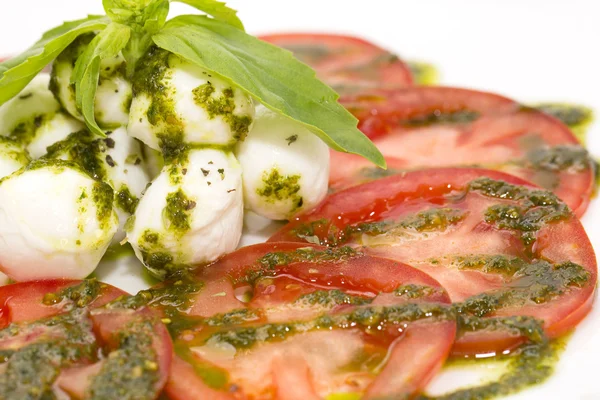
x=532 y=51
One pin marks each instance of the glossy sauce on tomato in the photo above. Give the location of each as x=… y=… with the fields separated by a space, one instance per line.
x=74 y=338
x=499 y=246
x=444 y=127
x=297 y=321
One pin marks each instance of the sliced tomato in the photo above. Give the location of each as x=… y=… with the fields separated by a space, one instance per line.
x=445 y=127
x=30 y=301
x=77 y=338
x=497 y=244
x=346 y=63
x=301 y=321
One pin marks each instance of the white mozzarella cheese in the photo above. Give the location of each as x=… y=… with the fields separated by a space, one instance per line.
x=55 y=222
x=191 y=214
x=286 y=167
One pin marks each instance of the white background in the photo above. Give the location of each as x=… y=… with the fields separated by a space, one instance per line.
x=529 y=50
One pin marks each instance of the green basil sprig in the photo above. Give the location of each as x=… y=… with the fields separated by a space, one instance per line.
x=215 y=41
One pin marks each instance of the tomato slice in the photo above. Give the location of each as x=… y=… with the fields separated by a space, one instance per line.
x=346 y=63
x=76 y=338
x=445 y=127
x=499 y=245
x=298 y=321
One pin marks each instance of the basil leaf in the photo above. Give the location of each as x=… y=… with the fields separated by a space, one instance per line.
x=216 y=9
x=141 y=15
x=270 y=74
x=108 y=43
x=17 y=72
x=86 y=94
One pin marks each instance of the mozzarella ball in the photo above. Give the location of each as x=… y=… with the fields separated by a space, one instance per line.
x=286 y=167
x=20 y=115
x=12 y=156
x=50 y=130
x=153 y=160
x=125 y=173
x=191 y=214
x=113 y=96
x=116 y=160
x=176 y=100
x=55 y=222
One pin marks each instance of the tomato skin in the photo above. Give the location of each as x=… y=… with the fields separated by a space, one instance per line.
x=379 y=110
x=27 y=303
x=346 y=63
x=284 y=369
x=460 y=127
x=23 y=301
x=558 y=242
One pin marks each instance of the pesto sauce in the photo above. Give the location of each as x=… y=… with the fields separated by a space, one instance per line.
x=276 y=187
x=211 y=375
x=431 y=220
x=25 y=131
x=102 y=195
x=177 y=211
x=330 y=298
x=267 y=264
x=423 y=73
x=441 y=117
x=223 y=106
x=125 y=200
x=576 y=117
x=373 y=319
x=82 y=148
x=11 y=148
x=530 y=365
x=533 y=210
x=116 y=251
x=151 y=79
x=158 y=261
x=77 y=296
x=174 y=299
x=412 y=291
x=131 y=371
x=559 y=158
x=32 y=369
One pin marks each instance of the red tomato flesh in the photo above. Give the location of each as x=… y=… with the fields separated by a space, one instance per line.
x=346 y=63
x=425 y=127
x=296 y=334
x=479 y=233
x=75 y=337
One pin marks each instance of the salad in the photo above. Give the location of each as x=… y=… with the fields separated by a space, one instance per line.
x=420 y=223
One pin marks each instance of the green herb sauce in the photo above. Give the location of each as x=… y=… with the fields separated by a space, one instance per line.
x=223 y=106
x=77 y=296
x=102 y=195
x=266 y=265
x=442 y=117
x=277 y=187
x=174 y=299
x=578 y=118
x=82 y=148
x=177 y=211
x=131 y=371
x=125 y=200
x=423 y=73
x=330 y=298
